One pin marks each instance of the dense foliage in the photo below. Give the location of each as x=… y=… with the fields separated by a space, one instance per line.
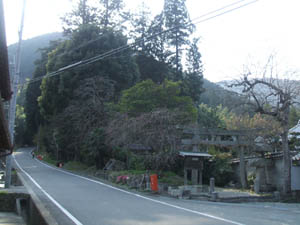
x=70 y=115
x=147 y=96
x=128 y=96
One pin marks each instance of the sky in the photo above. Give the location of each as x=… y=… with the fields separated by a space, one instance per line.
x=227 y=43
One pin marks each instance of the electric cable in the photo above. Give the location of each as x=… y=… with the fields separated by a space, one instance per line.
x=136 y=42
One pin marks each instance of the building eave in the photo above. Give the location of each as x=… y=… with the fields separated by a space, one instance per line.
x=5 y=88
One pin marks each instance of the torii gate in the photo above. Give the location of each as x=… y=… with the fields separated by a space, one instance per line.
x=218 y=137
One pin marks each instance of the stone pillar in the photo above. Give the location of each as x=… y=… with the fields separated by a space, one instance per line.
x=200 y=177
x=243 y=168
x=256 y=185
x=214 y=196
x=267 y=175
x=194 y=176
x=185 y=177
x=147 y=178
x=212 y=185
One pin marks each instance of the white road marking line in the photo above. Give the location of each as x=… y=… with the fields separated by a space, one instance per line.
x=66 y=212
x=30 y=167
x=143 y=197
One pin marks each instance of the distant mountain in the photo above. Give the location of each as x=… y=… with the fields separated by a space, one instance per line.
x=29 y=52
x=224 y=84
x=215 y=95
x=263 y=90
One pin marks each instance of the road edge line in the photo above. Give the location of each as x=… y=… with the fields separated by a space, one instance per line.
x=40 y=204
x=45 y=213
x=143 y=197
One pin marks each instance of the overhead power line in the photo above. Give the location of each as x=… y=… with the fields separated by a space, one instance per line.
x=136 y=42
x=194 y=19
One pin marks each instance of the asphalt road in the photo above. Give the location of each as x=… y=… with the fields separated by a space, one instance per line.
x=72 y=199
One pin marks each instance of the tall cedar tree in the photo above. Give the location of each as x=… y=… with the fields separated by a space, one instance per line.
x=176 y=17
x=193 y=79
x=112 y=14
x=141 y=23
x=157 y=44
x=82 y=14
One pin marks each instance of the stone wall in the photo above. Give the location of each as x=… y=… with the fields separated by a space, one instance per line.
x=268 y=173
x=277 y=174
x=296 y=178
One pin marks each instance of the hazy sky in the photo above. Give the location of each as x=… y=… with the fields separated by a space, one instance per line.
x=227 y=42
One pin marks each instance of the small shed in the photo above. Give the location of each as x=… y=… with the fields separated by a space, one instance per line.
x=193 y=164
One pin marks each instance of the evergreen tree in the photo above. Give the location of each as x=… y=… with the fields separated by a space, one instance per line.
x=140 y=22
x=21 y=136
x=176 y=17
x=193 y=79
x=151 y=68
x=112 y=14
x=82 y=14
x=157 y=44
x=58 y=91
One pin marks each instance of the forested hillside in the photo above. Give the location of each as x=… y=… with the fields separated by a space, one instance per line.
x=111 y=87
x=68 y=115
x=30 y=52
x=215 y=95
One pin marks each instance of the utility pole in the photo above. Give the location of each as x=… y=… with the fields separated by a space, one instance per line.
x=12 y=106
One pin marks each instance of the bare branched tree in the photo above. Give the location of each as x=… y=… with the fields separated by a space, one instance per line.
x=272 y=93
x=156 y=129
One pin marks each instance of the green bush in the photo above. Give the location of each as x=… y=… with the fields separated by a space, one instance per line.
x=251 y=179
x=75 y=166
x=171 y=178
x=135 y=162
x=218 y=167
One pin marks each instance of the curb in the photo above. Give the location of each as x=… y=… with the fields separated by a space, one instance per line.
x=45 y=213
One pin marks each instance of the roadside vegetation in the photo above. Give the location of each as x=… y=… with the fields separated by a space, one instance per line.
x=85 y=116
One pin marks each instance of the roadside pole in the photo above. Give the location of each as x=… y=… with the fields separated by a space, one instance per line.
x=15 y=76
